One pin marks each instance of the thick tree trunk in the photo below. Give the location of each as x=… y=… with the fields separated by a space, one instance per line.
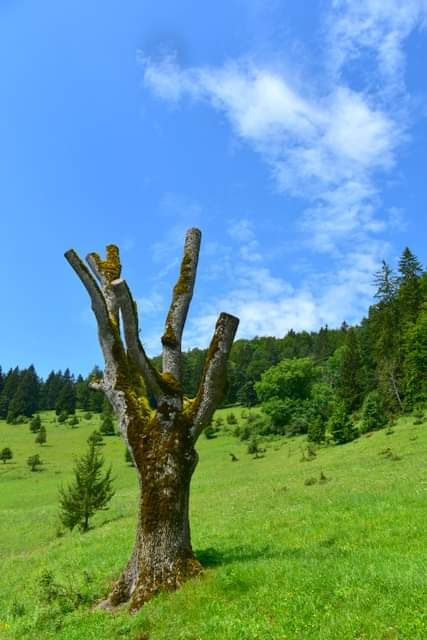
x=161 y=439
x=162 y=558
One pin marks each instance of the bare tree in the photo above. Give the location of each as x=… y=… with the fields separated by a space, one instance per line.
x=159 y=425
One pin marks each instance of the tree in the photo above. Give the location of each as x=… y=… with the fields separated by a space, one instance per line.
x=41 y=437
x=341 y=425
x=95 y=439
x=66 y=400
x=373 y=413
x=91 y=491
x=35 y=424
x=34 y=462
x=6 y=454
x=157 y=422
x=350 y=383
x=107 y=426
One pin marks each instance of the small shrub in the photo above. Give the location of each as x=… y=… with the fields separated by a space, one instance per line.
x=88 y=415
x=62 y=417
x=73 y=421
x=231 y=419
x=41 y=436
x=310 y=481
x=34 y=462
x=210 y=431
x=6 y=454
x=107 y=426
x=96 y=439
x=373 y=412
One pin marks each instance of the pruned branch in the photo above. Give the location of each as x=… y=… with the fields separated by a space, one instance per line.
x=213 y=383
x=130 y=324
x=106 y=271
x=181 y=298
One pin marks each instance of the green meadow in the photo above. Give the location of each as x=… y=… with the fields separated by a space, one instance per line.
x=287 y=555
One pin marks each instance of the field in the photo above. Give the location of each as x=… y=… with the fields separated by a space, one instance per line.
x=340 y=559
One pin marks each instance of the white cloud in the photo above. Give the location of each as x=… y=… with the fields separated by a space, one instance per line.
x=326 y=145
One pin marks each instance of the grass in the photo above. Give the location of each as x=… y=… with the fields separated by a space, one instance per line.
x=335 y=559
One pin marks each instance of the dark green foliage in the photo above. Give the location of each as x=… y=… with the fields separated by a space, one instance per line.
x=35 y=424
x=95 y=439
x=254 y=449
x=34 y=462
x=107 y=426
x=73 y=421
x=373 y=413
x=41 y=436
x=211 y=431
x=350 y=384
x=63 y=417
x=317 y=430
x=341 y=425
x=90 y=491
x=88 y=415
x=231 y=419
x=6 y=454
x=66 y=400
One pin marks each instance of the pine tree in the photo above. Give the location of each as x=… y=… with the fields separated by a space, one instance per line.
x=35 y=424
x=350 y=383
x=107 y=426
x=90 y=491
x=373 y=414
x=6 y=454
x=341 y=425
x=95 y=439
x=409 y=294
x=66 y=400
x=41 y=437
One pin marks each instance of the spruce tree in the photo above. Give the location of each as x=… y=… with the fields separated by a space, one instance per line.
x=41 y=437
x=35 y=424
x=66 y=400
x=350 y=383
x=341 y=425
x=90 y=491
x=95 y=439
x=6 y=454
x=373 y=414
x=107 y=426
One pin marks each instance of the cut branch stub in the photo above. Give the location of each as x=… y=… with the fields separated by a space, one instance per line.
x=181 y=298
x=213 y=382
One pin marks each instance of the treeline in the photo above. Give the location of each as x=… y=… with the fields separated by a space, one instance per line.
x=23 y=393
x=385 y=355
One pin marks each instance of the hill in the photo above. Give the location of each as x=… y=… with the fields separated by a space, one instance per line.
x=287 y=556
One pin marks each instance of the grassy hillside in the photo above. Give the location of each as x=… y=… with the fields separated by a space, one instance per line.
x=335 y=560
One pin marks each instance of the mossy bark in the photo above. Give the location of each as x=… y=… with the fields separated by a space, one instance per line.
x=162 y=558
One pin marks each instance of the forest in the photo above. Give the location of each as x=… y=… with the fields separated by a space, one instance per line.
x=304 y=381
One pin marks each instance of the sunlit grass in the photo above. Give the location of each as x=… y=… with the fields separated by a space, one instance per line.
x=343 y=559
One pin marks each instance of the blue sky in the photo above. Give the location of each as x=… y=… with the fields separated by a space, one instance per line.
x=295 y=140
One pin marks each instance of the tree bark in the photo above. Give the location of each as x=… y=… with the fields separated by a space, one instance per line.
x=159 y=425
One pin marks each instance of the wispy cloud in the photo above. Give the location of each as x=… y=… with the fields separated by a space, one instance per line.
x=326 y=144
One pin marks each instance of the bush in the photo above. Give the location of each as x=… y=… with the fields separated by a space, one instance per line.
x=34 y=462
x=373 y=413
x=6 y=454
x=210 y=431
x=62 y=417
x=231 y=419
x=88 y=415
x=73 y=421
x=317 y=430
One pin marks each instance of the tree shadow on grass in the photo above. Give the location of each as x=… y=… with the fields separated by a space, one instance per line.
x=211 y=557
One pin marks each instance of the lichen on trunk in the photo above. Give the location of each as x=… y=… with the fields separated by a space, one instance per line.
x=159 y=427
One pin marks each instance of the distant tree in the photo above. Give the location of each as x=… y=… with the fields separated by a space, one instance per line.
x=90 y=491
x=62 y=417
x=341 y=425
x=373 y=413
x=6 y=454
x=73 y=421
x=66 y=400
x=107 y=426
x=409 y=293
x=350 y=383
x=415 y=363
x=35 y=423
x=95 y=439
x=34 y=462
x=316 y=430
x=26 y=397
x=41 y=437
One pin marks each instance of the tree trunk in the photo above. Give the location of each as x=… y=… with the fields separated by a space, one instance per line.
x=162 y=558
x=159 y=425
